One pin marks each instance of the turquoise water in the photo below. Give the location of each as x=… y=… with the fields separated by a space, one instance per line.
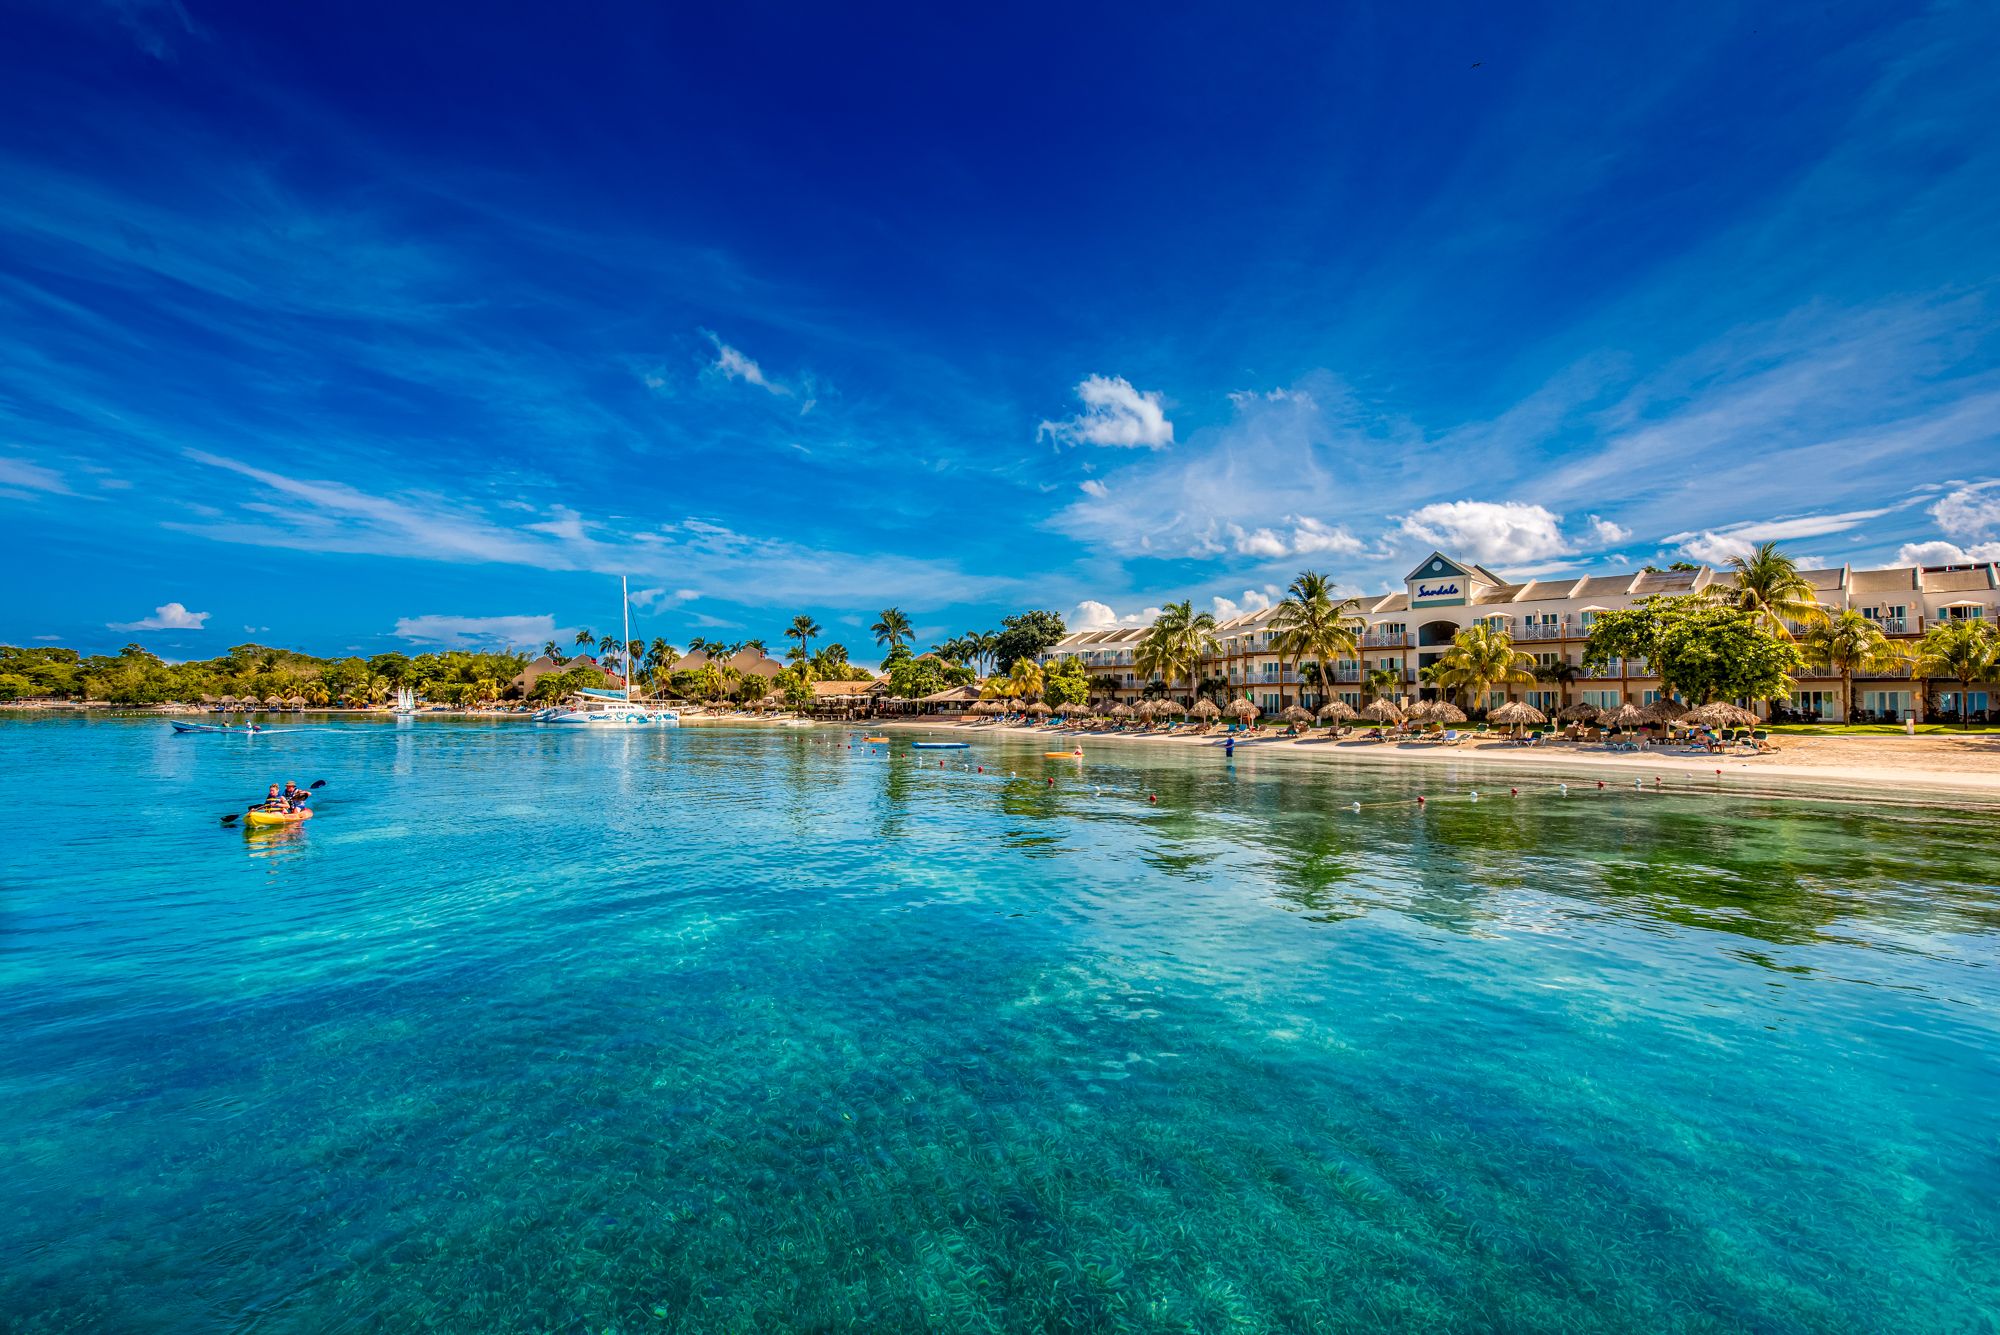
x=728 y=1030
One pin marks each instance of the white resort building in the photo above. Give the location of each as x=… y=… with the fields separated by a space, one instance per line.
x=1550 y=619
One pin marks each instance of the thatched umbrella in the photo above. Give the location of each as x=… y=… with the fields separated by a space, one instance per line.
x=1721 y=714
x=1120 y=711
x=272 y=702
x=1444 y=711
x=1241 y=709
x=1666 y=709
x=1627 y=715
x=227 y=701
x=1580 y=713
x=210 y=700
x=1421 y=711
x=1040 y=710
x=1205 y=710
x=989 y=708
x=1296 y=714
x=1335 y=711
x=1514 y=713
x=1384 y=711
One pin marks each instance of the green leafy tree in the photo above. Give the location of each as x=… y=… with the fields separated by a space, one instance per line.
x=1699 y=647
x=1065 y=682
x=1027 y=635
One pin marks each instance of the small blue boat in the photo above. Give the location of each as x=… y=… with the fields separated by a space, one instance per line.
x=940 y=746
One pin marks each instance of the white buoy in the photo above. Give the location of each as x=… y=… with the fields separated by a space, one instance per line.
x=1475 y=794
x=1357 y=806
x=1565 y=789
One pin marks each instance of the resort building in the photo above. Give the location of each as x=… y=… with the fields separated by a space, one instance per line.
x=1406 y=631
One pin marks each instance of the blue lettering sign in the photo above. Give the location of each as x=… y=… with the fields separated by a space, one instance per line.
x=1436 y=590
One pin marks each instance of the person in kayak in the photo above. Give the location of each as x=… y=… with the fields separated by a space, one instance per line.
x=274 y=800
x=295 y=796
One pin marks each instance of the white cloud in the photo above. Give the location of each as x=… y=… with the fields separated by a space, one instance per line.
x=1114 y=413
x=1092 y=487
x=1946 y=553
x=1093 y=615
x=167 y=616
x=1715 y=549
x=1310 y=536
x=1970 y=512
x=1252 y=600
x=649 y=598
x=1488 y=532
x=1606 y=533
x=451 y=632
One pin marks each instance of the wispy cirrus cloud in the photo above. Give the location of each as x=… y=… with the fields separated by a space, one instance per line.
x=494 y=632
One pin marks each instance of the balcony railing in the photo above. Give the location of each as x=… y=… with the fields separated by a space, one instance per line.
x=1609 y=670
x=1892 y=625
x=1542 y=632
x=1385 y=639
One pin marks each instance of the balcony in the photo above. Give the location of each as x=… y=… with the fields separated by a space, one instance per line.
x=1636 y=667
x=1542 y=632
x=1901 y=672
x=1385 y=639
x=1893 y=625
x=1609 y=671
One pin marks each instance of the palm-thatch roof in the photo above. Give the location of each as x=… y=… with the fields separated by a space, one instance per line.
x=1721 y=714
x=295 y=702
x=1422 y=711
x=1206 y=709
x=1040 y=710
x=1335 y=711
x=1120 y=711
x=989 y=707
x=1242 y=709
x=1514 y=713
x=1579 y=713
x=1666 y=709
x=1444 y=711
x=1296 y=714
x=227 y=700
x=1627 y=715
x=1384 y=711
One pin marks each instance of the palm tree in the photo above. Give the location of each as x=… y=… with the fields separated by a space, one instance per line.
x=804 y=630
x=1179 y=639
x=698 y=645
x=1962 y=650
x=1851 y=643
x=552 y=651
x=758 y=646
x=1480 y=658
x=1026 y=679
x=1384 y=683
x=608 y=647
x=1560 y=674
x=1769 y=585
x=584 y=637
x=1310 y=624
x=892 y=629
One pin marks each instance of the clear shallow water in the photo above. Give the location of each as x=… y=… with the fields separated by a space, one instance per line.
x=732 y=1030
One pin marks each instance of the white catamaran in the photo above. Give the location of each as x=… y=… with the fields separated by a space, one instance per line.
x=612 y=709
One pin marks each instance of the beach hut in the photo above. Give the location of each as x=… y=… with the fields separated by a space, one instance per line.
x=228 y=702
x=295 y=702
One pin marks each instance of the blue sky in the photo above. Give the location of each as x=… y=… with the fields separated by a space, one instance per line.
x=386 y=326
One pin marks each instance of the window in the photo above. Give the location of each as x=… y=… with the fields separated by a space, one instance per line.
x=1962 y=612
x=1542 y=700
x=1352 y=699
x=1270 y=704
x=1894 y=704
x=1601 y=699
x=1975 y=703
x=1270 y=672
x=1817 y=703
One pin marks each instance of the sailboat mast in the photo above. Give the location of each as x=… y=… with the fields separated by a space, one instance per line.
x=625 y=602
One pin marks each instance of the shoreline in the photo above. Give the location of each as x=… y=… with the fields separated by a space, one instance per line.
x=1862 y=764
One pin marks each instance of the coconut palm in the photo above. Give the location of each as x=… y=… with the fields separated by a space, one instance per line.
x=584 y=637
x=1851 y=643
x=608 y=647
x=1480 y=658
x=1384 y=682
x=759 y=647
x=892 y=629
x=1768 y=584
x=1026 y=679
x=1559 y=674
x=804 y=630
x=1175 y=646
x=1965 y=651
x=1311 y=623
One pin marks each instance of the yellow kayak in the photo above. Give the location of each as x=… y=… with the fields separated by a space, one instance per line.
x=276 y=817
x=874 y=739
x=1063 y=755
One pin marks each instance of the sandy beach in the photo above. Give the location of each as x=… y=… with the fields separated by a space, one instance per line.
x=1907 y=768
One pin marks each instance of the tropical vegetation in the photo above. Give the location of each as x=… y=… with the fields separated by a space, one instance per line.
x=1769 y=585
x=1312 y=624
x=1172 y=650
x=1700 y=647
x=1480 y=658
x=1964 y=651
x=1851 y=643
